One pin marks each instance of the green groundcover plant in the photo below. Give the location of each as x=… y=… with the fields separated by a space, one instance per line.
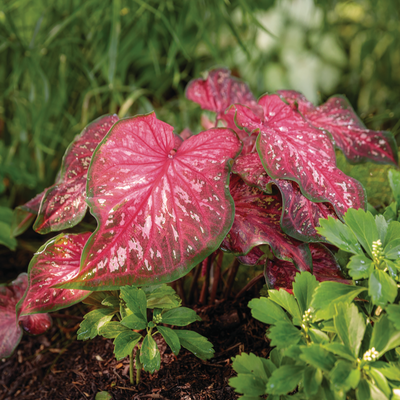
x=325 y=346
x=255 y=183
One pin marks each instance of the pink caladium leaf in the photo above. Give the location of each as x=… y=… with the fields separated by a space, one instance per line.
x=290 y=148
x=300 y=216
x=24 y=215
x=10 y=326
x=255 y=257
x=63 y=204
x=351 y=136
x=218 y=91
x=56 y=261
x=281 y=274
x=160 y=209
x=256 y=223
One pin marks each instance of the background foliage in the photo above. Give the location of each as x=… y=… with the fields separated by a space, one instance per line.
x=65 y=63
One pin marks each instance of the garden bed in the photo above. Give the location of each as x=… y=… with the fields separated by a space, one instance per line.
x=57 y=366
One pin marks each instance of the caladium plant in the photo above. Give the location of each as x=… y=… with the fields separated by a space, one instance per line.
x=12 y=324
x=165 y=202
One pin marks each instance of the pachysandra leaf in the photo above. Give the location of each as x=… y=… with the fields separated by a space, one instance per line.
x=160 y=210
x=55 y=262
x=218 y=91
x=351 y=136
x=257 y=217
x=10 y=325
x=281 y=274
x=63 y=204
x=24 y=215
x=291 y=148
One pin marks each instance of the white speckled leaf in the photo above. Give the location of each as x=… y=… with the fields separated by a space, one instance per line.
x=56 y=261
x=351 y=136
x=160 y=209
x=290 y=148
x=63 y=204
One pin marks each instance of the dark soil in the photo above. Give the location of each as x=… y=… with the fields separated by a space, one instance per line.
x=57 y=366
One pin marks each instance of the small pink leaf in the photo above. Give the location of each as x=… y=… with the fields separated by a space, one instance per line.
x=63 y=204
x=185 y=134
x=351 y=136
x=10 y=330
x=256 y=223
x=56 y=261
x=300 y=216
x=281 y=274
x=290 y=148
x=160 y=210
x=35 y=324
x=24 y=215
x=218 y=91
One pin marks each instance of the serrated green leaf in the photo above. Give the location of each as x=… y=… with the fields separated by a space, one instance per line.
x=161 y=296
x=394 y=182
x=284 y=379
x=294 y=352
x=393 y=312
x=376 y=393
x=363 y=391
x=390 y=213
x=171 y=338
x=288 y=302
x=112 y=302
x=328 y=294
x=380 y=382
x=251 y=364
x=283 y=334
x=360 y=267
x=133 y=321
x=112 y=329
x=312 y=378
x=389 y=370
x=363 y=225
x=350 y=326
x=125 y=342
x=248 y=384
x=267 y=311
x=382 y=227
x=340 y=350
x=344 y=376
x=382 y=288
x=96 y=298
x=135 y=300
x=303 y=288
x=93 y=321
x=276 y=356
x=180 y=316
x=196 y=343
x=318 y=357
x=339 y=234
x=318 y=336
x=149 y=354
x=385 y=336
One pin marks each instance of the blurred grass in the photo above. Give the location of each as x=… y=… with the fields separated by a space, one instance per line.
x=65 y=63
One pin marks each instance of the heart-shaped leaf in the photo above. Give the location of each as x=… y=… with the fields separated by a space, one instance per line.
x=10 y=327
x=281 y=274
x=161 y=210
x=290 y=148
x=351 y=136
x=218 y=91
x=63 y=204
x=56 y=261
x=24 y=215
x=256 y=223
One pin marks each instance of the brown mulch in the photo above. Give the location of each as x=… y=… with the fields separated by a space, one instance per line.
x=57 y=366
